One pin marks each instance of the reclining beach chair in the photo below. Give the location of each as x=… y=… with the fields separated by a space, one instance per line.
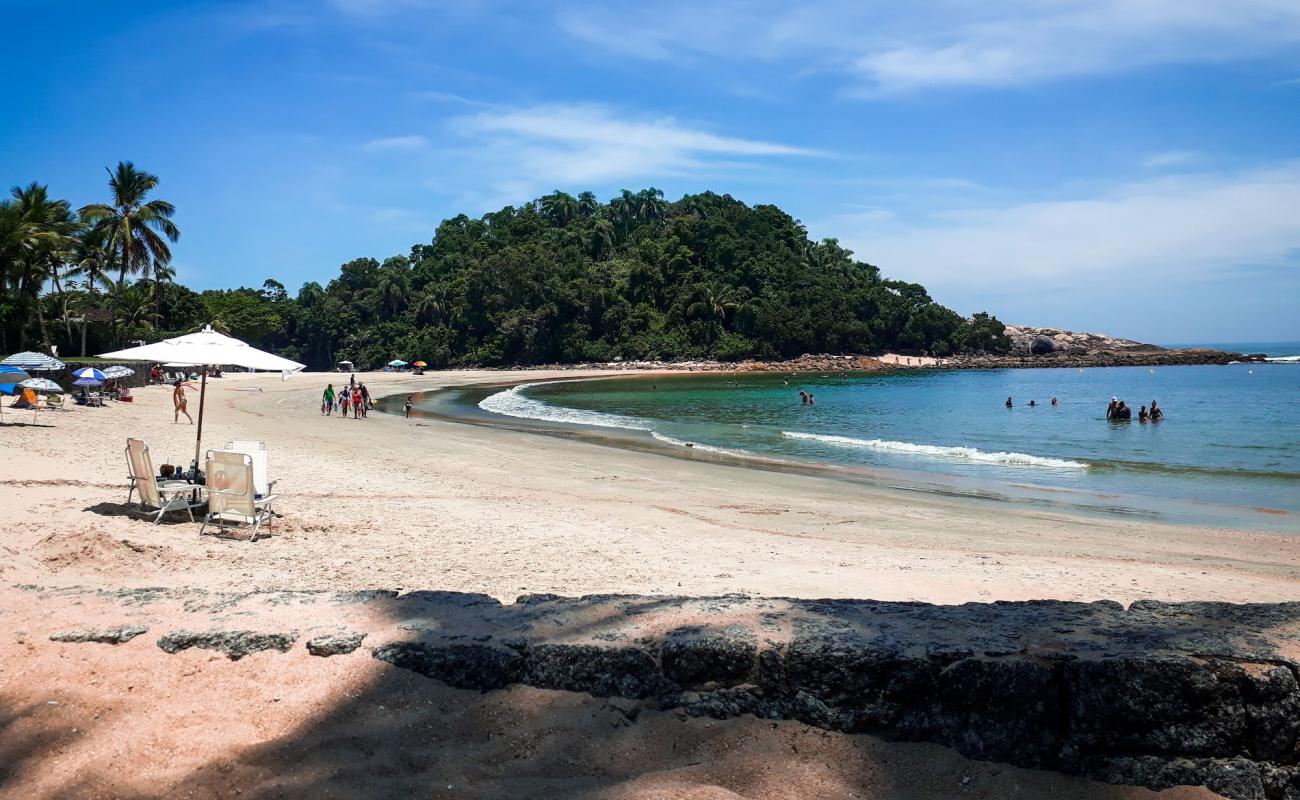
x=262 y=485
x=162 y=495
x=54 y=402
x=231 y=491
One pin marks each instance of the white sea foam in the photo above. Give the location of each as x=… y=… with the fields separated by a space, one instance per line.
x=514 y=403
x=933 y=451
x=1283 y=360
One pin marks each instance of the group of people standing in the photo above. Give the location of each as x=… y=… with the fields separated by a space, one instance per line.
x=354 y=396
x=1119 y=410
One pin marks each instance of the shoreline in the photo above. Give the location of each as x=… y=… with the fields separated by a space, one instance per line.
x=460 y=405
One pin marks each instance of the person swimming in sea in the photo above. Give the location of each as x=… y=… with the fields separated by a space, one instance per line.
x=1122 y=411
x=1032 y=404
x=1142 y=414
x=1111 y=409
x=803 y=397
x=1009 y=404
x=1156 y=413
x=1053 y=401
x=811 y=401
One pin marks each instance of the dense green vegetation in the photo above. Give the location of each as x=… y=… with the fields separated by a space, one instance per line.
x=561 y=279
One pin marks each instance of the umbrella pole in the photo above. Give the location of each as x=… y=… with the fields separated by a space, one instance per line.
x=198 y=436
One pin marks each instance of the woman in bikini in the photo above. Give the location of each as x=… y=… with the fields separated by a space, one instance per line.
x=178 y=400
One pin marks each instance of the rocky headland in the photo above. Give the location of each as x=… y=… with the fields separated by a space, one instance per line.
x=1156 y=694
x=1054 y=347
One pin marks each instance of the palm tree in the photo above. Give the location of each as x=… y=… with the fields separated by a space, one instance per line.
x=650 y=204
x=132 y=306
x=602 y=239
x=392 y=292
x=588 y=205
x=713 y=303
x=625 y=209
x=130 y=226
x=430 y=307
x=41 y=240
x=90 y=260
x=560 y=208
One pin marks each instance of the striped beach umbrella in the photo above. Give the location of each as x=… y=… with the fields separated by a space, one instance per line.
x=42 y=385
x=33 y=361
x=87 y=376
x=118 y=371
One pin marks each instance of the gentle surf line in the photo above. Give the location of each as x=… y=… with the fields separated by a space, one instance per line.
x=935 y=451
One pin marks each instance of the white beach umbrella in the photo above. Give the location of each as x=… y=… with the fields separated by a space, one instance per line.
x=42 y=385
x=118 y=371
x=204 y=349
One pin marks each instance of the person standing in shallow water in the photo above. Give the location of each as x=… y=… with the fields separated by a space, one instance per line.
x=408 y=405
x=1009 y=404
x=1156 y=413
x=803 y=397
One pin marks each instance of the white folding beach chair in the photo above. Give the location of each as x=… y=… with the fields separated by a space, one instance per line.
x=165 y=495
x=231 y=491
x=257 y=451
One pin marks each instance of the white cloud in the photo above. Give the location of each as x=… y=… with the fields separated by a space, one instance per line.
x=586 y=145
x=1181 y=229
x=1170 y=158
x=414 y=142
x=891 y=47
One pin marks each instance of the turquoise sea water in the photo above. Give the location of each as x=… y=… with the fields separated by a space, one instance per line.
x=1228 y=452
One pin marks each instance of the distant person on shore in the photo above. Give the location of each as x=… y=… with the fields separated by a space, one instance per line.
x=179 y=402
x=345 y=400
x=365 y=400
x=1142 y=414
x=803 y=397
x=327 y=400
x=1009 y=403
x=1156 y=413
x=1053 y=401
x=408 y=405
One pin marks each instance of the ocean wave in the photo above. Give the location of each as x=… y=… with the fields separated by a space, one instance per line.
x=934 y=451
x=1283 y=359
x=514 y=403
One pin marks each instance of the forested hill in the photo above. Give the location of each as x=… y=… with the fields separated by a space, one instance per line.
x=562 y=279
x=568 y=279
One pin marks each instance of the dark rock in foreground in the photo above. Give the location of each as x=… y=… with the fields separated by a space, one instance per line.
x=118 y=635
x=334 y=644
x=235 y=644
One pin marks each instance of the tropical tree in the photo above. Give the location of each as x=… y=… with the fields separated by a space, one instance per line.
x=41 y=237
x=134 y=229
x=650 y=205
x=560 y=208
x=588 y=205
x=133 y=309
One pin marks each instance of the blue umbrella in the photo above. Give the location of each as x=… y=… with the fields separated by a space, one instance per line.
x=88 y=373
x=32 y=361
x=10 y=377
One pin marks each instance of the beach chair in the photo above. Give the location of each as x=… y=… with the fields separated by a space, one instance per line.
x=257 y=451
x=231 y=490
x=163 y=495
x=54 y=402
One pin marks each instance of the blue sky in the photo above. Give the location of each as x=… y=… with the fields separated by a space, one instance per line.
x=1130 y=166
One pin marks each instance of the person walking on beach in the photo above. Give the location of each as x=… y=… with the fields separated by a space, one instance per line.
x=327 y=400
x=408 y=405
x=345 y=399
x=356 y=403
x=178 y=400
x=365 y=401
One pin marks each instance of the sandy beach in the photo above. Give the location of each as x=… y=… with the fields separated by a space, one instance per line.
x=388 y=503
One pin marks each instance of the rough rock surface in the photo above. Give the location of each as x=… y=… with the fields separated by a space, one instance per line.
x=235 y=644
x=334 y=644
x=118 y=635
x=1156 y=694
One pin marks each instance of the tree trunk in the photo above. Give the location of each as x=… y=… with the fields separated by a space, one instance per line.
x=83 y=337
x=63 y=303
